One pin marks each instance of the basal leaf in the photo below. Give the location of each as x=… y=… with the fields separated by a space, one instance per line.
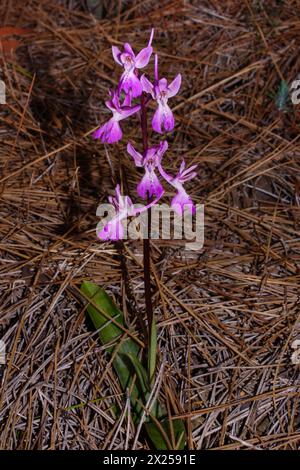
x=103 y=309
x=162 y=440
x=140 y=372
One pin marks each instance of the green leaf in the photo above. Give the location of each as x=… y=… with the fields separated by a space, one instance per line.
x=109 y=320
x=162 y=440
x=100 y=313
x=140 y=372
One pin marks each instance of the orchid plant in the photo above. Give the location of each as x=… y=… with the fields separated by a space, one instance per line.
x=133 y=96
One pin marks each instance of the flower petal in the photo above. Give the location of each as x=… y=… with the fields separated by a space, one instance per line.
x=113 y=230
x=118 y=194
x=162 y=84
x=138 y=158
x=116 y=54
x=182 y=201
x=182 y=166
x=174 y=86
x=115 y=99
x=109 y=105
x=163 y=147
x=129 y=82
x=149 y=186
x=186 y=174
x=136 y=87
x=146 y=85
x=110 y=132
x=151 y=37
x=163 y=117
x=128 y=49
x=99 y=132
x=157 y=120
x=114 y=134
x=168 y=118
x=143 y=57
x=127 y=100
x=125 y=112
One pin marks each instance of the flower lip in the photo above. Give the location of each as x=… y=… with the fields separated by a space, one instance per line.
x=182 y=201
x=150 y=184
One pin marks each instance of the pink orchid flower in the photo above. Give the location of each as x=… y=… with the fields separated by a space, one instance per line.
x=129 y=81
x=124 y=207
x=150 y=184
x=111 y=132
x=161 y=92
x=181 y=198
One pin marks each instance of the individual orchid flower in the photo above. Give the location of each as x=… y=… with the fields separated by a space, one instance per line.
x=181 y=198
x=111 y=132
x=129 y=81
x=161 y=92
x=124 y=207
x=150 y=184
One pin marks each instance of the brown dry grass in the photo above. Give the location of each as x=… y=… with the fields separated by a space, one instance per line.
x=228 y=315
